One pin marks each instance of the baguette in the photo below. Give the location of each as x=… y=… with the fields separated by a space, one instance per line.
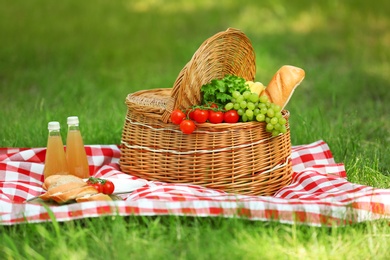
x=64 y=197
x=282 y=85
x=94 y=197
x=58 y=180
x=62 y=188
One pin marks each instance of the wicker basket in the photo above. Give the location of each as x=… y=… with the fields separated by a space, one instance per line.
x=239 y=158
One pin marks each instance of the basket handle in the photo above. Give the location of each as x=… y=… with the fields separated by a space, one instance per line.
x=227 y=52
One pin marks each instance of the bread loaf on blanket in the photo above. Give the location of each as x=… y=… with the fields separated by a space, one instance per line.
x=62 y=188
x=73 y=194
x=58 y=180
x=94 y=197
x=65 y=188
x=282 y=85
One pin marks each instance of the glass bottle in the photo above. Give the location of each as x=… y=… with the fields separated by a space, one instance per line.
x=55 y=160
x=75 y=150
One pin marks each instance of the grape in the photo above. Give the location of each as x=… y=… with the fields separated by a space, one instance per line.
x=247 y=94
x=229 y=106
x=236 y=106
x=243 y=104
x=270 y=112
x=278 y=114
x=283 y=130
x=269 y=127
x=256 y=111
x=277 y=126
x=250 y=118
x=282 y=121
x=277 y=108
x=262 y=105
x=244 y=118
x=274 y=121
x=263 y=110
x=254 y=97
x=250 y=106
x=239 y=98
x=236 y=94
x=249 y=113
x=263 y=99
x=267 y=120
x=275 y=132
x=260 y=117
x=240 y=112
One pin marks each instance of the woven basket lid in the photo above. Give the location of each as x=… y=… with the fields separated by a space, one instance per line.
x=227 y=52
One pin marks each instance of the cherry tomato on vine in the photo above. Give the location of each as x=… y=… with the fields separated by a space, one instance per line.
x=187 y=126
x=231 y=116
x=201 y=115
x=216 y=117
x=101 y=185
x=177 y=116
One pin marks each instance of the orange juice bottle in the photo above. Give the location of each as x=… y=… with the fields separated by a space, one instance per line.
x=55 y=160
x=75 y=151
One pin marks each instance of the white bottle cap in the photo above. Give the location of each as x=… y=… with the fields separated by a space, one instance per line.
x=73 y=120
x=54 y=125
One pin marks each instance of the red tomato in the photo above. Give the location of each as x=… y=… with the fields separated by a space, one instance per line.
x=215 y=117
x=108 y=187
x=97 y=186
x=187 y=126
x=201 y=115
x=177 y=116
x=231 y=116
x=190 y=113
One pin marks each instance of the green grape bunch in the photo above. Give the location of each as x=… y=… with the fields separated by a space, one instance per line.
x=252 y=107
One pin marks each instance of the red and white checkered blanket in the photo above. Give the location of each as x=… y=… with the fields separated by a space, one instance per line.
x=318 y=195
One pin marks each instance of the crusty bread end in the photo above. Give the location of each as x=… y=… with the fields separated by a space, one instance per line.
x=282 y=85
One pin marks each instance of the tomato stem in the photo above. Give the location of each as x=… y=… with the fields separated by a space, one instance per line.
x=94 y=180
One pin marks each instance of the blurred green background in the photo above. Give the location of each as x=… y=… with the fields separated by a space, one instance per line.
x=82 y=58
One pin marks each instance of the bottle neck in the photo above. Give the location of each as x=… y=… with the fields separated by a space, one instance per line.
x=73 y=127
x=54 y=133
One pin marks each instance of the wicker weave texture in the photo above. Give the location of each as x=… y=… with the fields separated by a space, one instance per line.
x=240 y=158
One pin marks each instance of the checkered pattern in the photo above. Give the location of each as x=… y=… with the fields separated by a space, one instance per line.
x=318 y=195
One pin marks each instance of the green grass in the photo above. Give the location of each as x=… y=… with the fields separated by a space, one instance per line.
x=191 y=238
x=79 y=58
